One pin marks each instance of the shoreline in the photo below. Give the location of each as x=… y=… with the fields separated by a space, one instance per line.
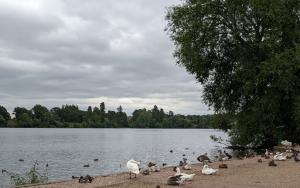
x=246 y=173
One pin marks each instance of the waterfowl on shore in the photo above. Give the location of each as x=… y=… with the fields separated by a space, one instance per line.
x=208 y=171
x=175 y=180
x=184 y=176
x=181 y=163
x=150 y=164
x=86 y=179
x=227 y=154
x=133 y=167
x=157 y=168
x=3 y=171
x=272 y=163
x=296 y=159
x=259 y=160
x=75 y=177
x=279 y=157
x=203 y=158
x=223 y=165
x=146 y=172
x=187 y=167
x=164 y=164
x=286 y=143
x=222 y=157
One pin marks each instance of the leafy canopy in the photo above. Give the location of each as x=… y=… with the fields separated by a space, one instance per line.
x=245 y=53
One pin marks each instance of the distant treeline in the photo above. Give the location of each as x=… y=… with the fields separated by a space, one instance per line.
x=70 y=116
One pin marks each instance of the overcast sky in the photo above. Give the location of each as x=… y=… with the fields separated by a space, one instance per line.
x=55 y=52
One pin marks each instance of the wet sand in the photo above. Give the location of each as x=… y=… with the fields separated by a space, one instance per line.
x=246 y=173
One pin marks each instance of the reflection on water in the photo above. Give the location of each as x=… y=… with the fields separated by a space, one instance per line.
x=67 y=150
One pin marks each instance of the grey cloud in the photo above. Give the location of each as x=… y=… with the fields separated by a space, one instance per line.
x=82 y=52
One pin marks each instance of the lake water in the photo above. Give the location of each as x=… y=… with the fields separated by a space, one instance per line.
x=67 y=150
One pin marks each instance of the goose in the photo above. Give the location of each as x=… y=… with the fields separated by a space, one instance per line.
x=222 y=157
x=227 y=154
x=133 y=167
x=203 y=158
x=208 y=171
x=175 y=180
x=184 y=176
x=279 y=157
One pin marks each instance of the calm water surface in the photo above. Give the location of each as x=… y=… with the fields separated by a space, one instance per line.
x=67 y=150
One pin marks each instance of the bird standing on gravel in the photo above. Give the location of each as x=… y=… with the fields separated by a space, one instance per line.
x=133 y=167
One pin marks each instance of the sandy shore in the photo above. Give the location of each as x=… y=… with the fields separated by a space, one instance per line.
x=246 y=173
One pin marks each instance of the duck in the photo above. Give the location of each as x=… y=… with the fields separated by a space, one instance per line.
x=96 y=160
x=203 y=158
x=279 y=157
x=133 y=167
x=181 y=163
x=86 y=165
x=272 y=163
x=164 y=164
x=86 y=179
x=223 y=165
x=175 y=180
x=208 y=171
x=184 y=176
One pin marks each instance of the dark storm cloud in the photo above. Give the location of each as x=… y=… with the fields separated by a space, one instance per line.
x=84 y=52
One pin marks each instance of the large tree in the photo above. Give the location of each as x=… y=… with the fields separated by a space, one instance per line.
x=246 y=54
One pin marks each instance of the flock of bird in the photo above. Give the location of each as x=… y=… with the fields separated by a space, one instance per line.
x=179 y=178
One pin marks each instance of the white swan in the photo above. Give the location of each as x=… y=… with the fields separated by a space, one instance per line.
x=184 y=176
x=286 y=143
x=208 y=171
x=133 y=167
x=279 y=157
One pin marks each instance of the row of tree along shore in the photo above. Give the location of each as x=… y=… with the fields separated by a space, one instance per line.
x=70 y=116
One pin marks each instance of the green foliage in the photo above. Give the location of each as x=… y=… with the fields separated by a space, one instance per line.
x=3 y=121
x=70 y=116
x=4 y=113
x=246 y=54
x=33 y=176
